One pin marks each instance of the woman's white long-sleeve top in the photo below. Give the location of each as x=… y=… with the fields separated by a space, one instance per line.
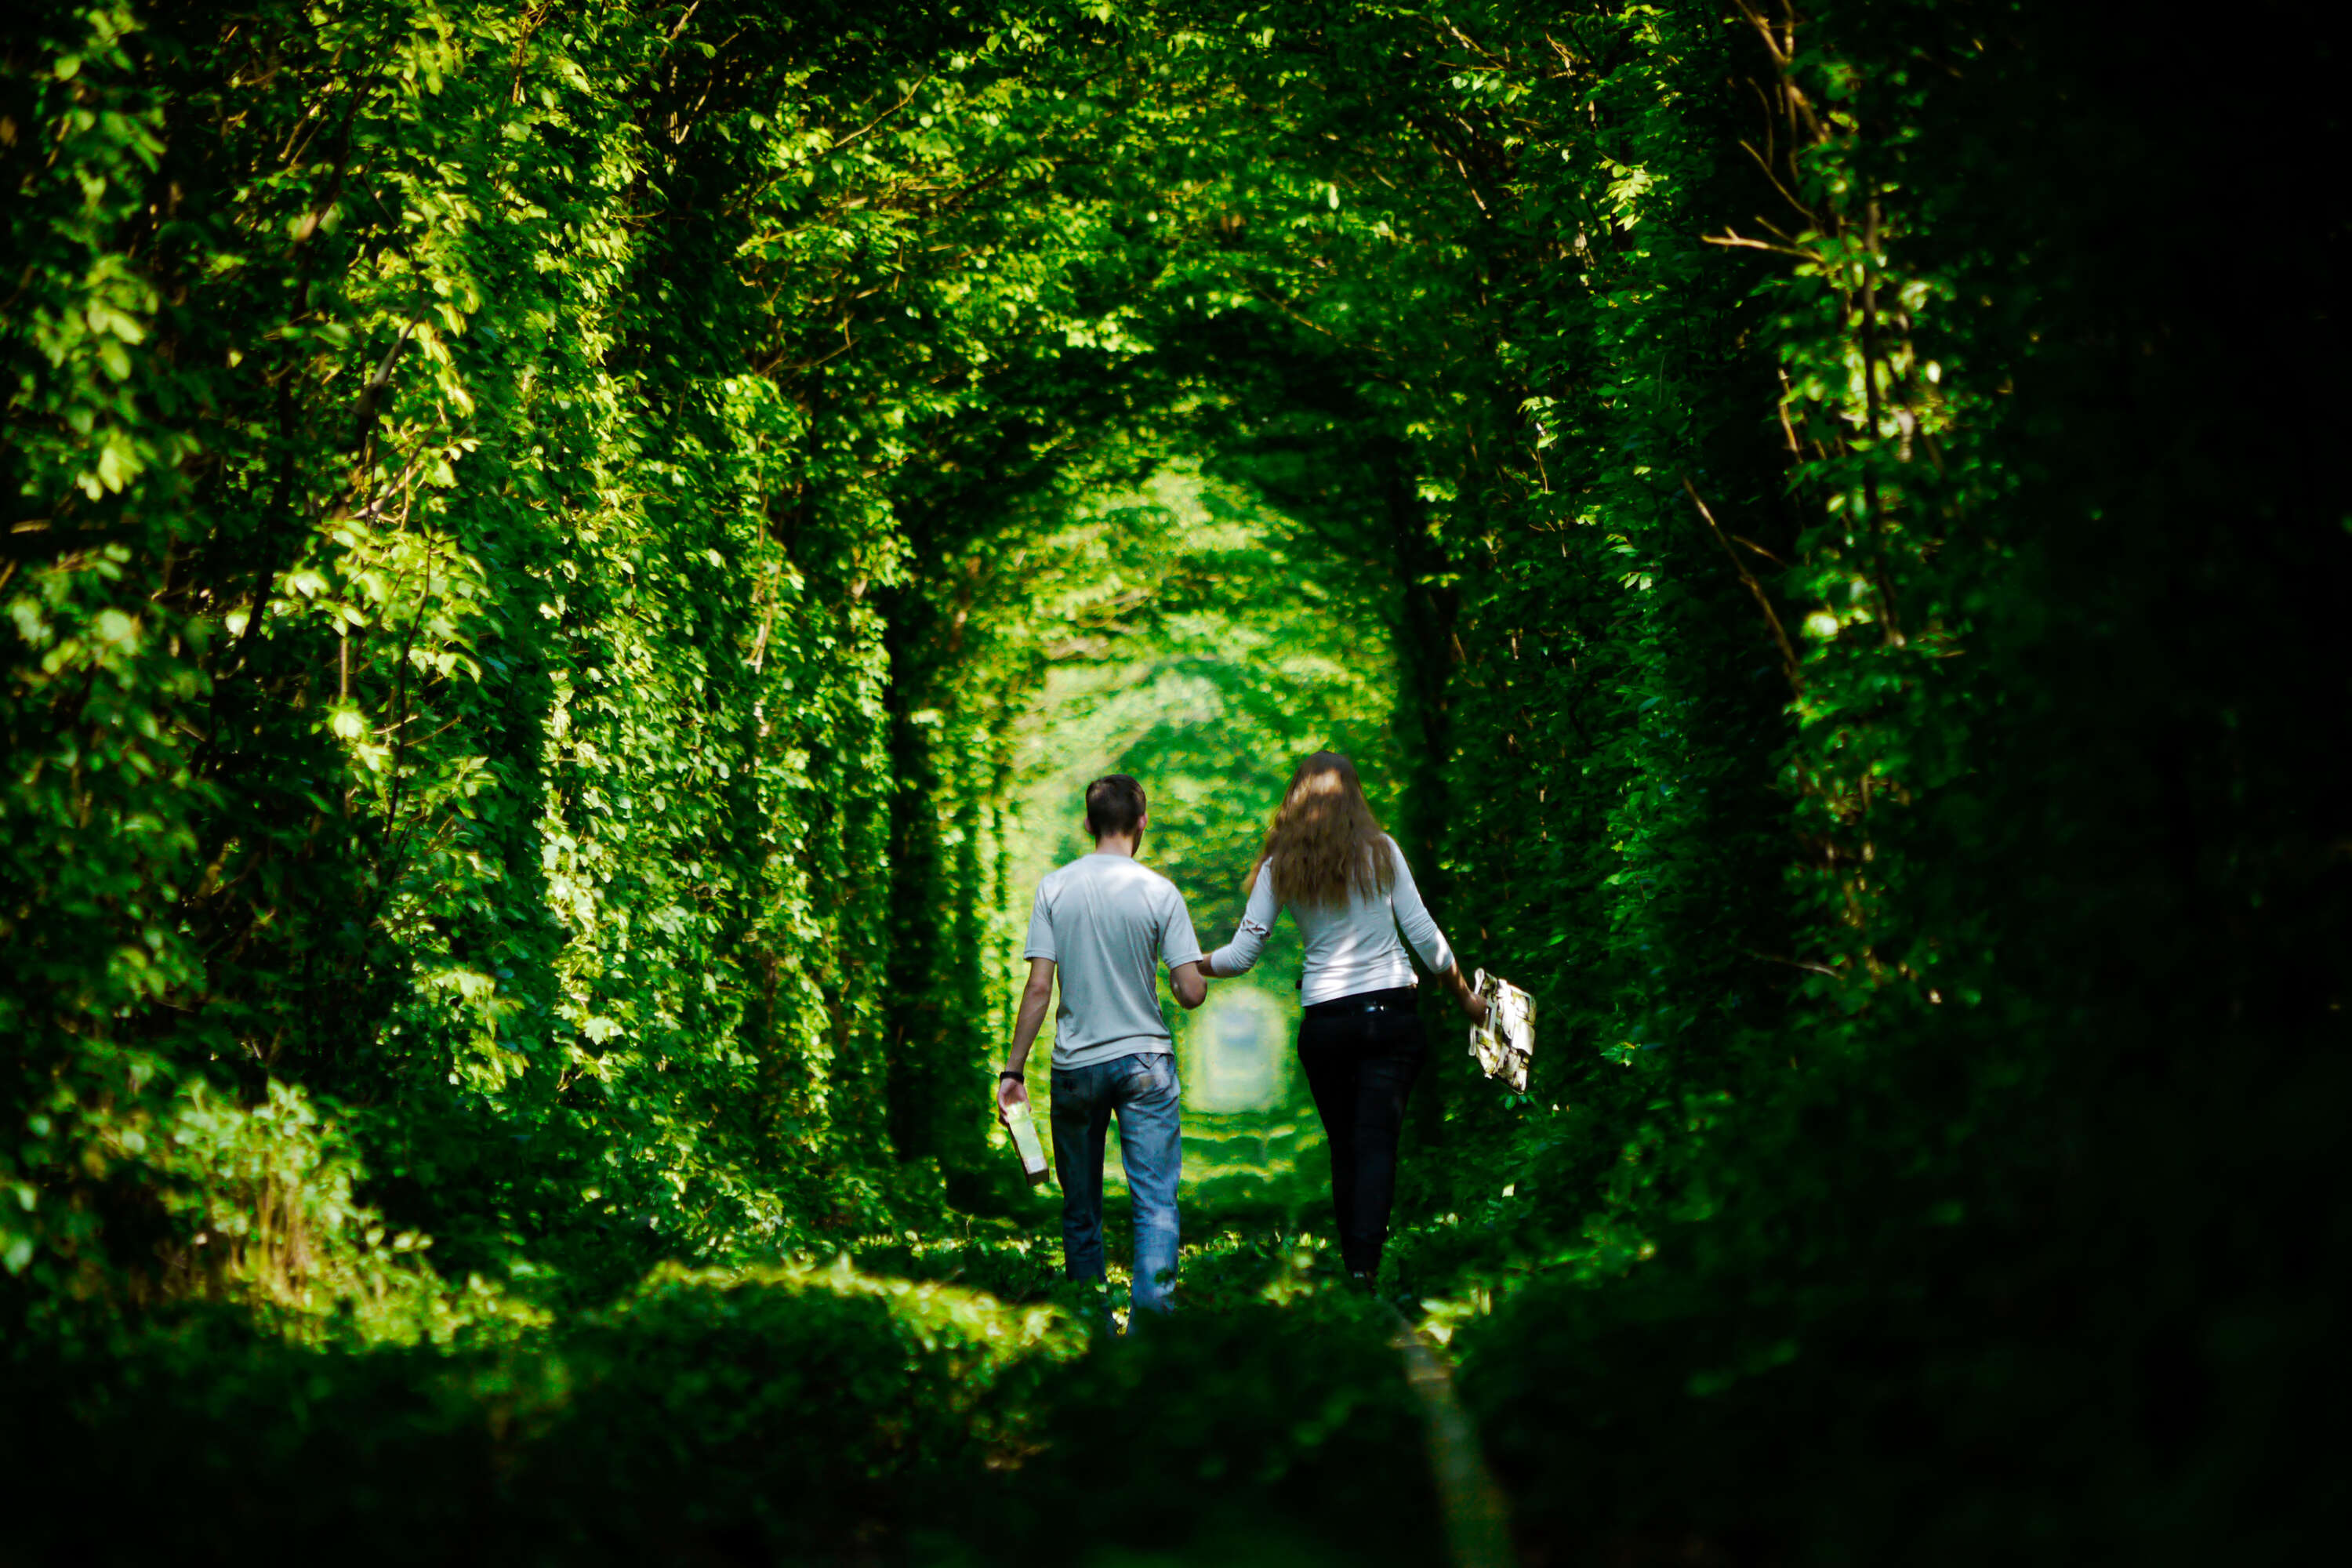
x=1350 y=948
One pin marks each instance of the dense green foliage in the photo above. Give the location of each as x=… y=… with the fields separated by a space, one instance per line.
x=751 y=1414
x=542 y=542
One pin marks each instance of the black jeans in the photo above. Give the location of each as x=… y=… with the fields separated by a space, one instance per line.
x=1361 y=1066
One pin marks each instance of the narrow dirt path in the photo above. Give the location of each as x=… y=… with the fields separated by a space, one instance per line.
x=1478 y=1523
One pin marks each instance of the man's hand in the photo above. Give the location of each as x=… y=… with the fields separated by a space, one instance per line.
x=1010 y=1093
x=1035 y=997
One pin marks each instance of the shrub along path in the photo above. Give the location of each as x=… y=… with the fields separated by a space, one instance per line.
x=781 y=1414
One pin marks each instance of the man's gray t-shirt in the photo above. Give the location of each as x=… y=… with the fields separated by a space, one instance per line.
x=1104 y=920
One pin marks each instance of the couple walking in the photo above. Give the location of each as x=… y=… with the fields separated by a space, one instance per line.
x=1103 y=924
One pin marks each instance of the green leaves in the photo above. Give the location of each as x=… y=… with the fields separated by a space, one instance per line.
x=533 y=535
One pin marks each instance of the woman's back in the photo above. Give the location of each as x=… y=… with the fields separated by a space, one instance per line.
x=1360 y=1038
x=1352 y=944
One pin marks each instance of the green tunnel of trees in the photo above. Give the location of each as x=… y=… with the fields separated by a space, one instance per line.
x=531 y=529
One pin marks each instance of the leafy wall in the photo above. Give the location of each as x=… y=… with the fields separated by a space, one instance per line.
x=450 y=674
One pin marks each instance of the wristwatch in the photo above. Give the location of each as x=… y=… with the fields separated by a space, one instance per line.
x=1016 y=1077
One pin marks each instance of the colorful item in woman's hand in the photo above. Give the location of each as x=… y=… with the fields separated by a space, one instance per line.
x=1507 y=1040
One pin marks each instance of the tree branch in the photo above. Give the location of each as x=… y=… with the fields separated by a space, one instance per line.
x=1771 y=616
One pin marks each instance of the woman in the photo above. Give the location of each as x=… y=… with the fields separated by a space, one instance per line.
x=1361 y=1042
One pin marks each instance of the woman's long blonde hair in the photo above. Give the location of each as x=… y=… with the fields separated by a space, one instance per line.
x=1325 y=845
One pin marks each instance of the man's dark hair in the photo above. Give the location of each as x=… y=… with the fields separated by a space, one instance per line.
x=1114 y=805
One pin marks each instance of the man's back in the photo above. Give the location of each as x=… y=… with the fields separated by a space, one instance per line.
x=1107 y=923
x=1101 y=925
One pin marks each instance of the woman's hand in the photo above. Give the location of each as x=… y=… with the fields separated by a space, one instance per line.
x=1472 y=1005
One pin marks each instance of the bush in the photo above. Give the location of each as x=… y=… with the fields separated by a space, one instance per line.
x=780 y=1415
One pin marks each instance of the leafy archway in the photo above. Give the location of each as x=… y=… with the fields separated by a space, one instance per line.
x=533 y=528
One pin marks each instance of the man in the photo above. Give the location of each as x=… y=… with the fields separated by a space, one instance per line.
x=1099 y=924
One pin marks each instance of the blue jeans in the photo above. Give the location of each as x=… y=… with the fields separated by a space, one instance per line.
x=1143 y=1092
